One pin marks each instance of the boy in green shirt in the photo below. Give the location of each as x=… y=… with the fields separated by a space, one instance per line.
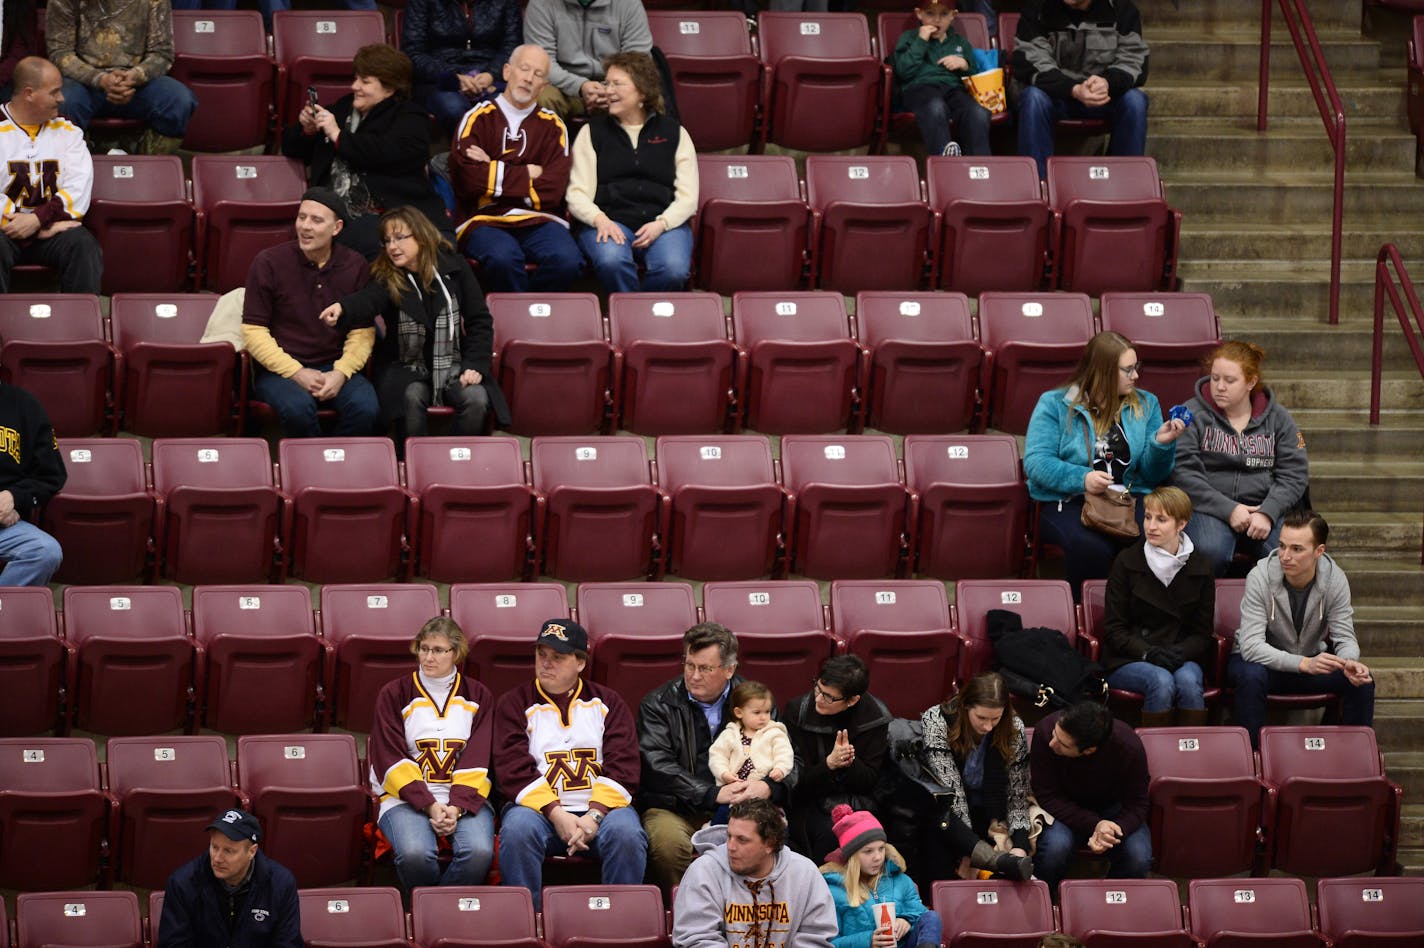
x=931 y=63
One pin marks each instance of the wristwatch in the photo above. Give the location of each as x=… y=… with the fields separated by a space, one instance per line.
x=597 y=817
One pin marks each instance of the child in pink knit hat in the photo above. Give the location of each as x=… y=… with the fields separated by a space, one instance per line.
x=865 y=873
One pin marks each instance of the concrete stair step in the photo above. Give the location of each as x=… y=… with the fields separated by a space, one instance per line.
x=1228 y=53
x=1399 y=726
x=1385 y=631
x=1382 y=533
x=1233 y=146
x=1340 y=486
x=1411 y=862
x=1343 y=388
x=1221 y=14
x=1411 y=816
x=1397 y=677
x=1373 y=94
x=1338 y=434
x=1220 y=240
x=1406 y=768
x=1377 y=199
x=1380 y=579
x=1312 y=346
x=1267 y=291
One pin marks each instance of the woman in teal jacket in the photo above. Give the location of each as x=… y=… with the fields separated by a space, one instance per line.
x=1097 y=432
x=866 y=872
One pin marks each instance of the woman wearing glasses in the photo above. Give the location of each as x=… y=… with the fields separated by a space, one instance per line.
x=1099 y=432
x=430 y=763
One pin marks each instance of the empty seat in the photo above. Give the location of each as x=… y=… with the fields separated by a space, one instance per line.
x=221 y=56
x=1123 y=912
x=1371 y=913
x=1115 y=230
x=604 y=517
x=727 y=508
x=32 y=662
x=781 y=636
x=715 y=75
x=345 y=507
x=635 y=633
x=218 y=509
x=314 y=49
x=873 y=224
x=848 y=505
x=371 y=628
x=53 y=346
x=1033 y=341
x=824 y=90
x=103 y=518
x=1236 y=913
x=54 y=814
x=1205 y=800
x=753 y=224
x=970 y=505
x=135 y=658
x=309 y=793
x=143 y=220
x=994 y=223
x=902 y=629
x=925 y=363
x=803 y=373
x=175 y=385
x=474 y=916
x=167 y=790
x=554 y=364
x=585 y=916
x=1172 y=333
x=501 y=621
x=258 y=640
x=1041 y=603
x=462 y=487
x=993 y=912
x=1328 y=783
x=368 y=917
x=678 y=364
x=244 y=204
x=78 y=920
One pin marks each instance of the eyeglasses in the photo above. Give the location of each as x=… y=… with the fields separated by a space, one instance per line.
x=692 y=669
x=824 y=695
x=394 y=238
x=433 y=650
x=1130 y=370
x=618 y=83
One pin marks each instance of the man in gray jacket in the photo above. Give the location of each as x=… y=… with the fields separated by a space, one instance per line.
x=578 y=35
x=1297 y=632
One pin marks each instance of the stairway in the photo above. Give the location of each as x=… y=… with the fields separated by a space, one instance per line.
x=1256 y=236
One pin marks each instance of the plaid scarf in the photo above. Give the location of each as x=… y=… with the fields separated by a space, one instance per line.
x=411 y=334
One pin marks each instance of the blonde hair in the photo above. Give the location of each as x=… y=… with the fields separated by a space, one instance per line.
x=1172 y=501
x=857 y=888
x=1096 y=379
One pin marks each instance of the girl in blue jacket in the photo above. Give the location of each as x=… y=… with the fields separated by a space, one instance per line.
x=866 y=872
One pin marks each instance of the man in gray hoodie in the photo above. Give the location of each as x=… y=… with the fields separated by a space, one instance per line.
x=1297 y=632
x=752 y=890
x=578 y=35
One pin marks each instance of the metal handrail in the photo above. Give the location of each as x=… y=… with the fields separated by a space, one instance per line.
x=1385 y=286
x=1332 y=113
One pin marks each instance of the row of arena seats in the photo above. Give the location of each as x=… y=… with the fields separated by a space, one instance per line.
x=1215 y=809
x=656 y=364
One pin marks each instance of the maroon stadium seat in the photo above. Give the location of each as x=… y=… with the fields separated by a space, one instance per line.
x=635 y=633
x=314 y=49
x=553 y=361
x=1041 y=603
x=1033 y=340
x=78 y=920
x=501 y=621
x=849 y=506
x=32 y=662
x=1172 y=333
x=371 y=628
x=678 y=363
x=53 y=346
x=244 y=204
x=1371 y=913
x=781 y=635
x=873 y=225
x=103 y=518
x=824 y=90
x=1123 y=913
x=715 y=75
x=365 y=917
x=221 y=56
x=902 y=629
x=753 y=224
x=175 y=385
x=994 y=223
x=993 y=912
x=474 y=916
x=925 y=362
x=587 y=916
x=970 y=505
x=1236 y=913
x=51 y=806
x=143 y=220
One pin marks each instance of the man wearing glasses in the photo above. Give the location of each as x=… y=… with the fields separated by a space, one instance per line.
x=677 y=723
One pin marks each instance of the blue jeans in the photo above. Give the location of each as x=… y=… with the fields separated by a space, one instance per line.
x=503 y=252
x=1057 y=844
x=666 y=263
x=1038 y=112
x=1161 y=690
x=31 y=556
x=164 y=103
x=526 y=837
x=927 y=930
x=936 y=107
x=418 y=850
x=1087 y=553
x=1216 y=541
x=1253 y=682
x=356 y=404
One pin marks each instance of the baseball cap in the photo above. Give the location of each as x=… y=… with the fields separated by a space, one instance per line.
x=563 y=635
x=237 y=825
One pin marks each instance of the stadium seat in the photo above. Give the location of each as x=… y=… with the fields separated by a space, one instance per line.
x=345 y=508
x=33 y=662
x=167 y=790
x=635 y=634
x=501 y=621
x=221 y=56
x=925 y=362
x=1119 y=913
x=174 y=384
x=1229 y=593
x=1328 y=783
x=823 y=88
x=1172 y=332
x=781 y=631
x=969 y=505
x=1237 y=913
x=902 y=629
x=553 y=361
x=314 y=49
x=140 y=214
x=1041 y=603
x=1371 y=913
x=993 y=912
x=727 y=508
x=103 y=518
x=365 y=917
x=218 y=509
x=1205 y=798
x=890 y=24
x=474 y=916
x=244 y=204
x=78 y=920
x=587 y=916
x=715 y=75
x=258 y=640
x=310 y=795
x=462 y=487
x=872 y=224
x=371 y=628
x=803 y=373
x=134 y=658
x=53 y=346
x=753 y=224
x=1114 y=228
x=604 y=519
x=1033 y=341
x=678 y=364
x=994 y=223
x=54 y=815
x=848 y=506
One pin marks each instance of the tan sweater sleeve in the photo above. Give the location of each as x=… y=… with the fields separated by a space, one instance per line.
x=261 y=346
x=685 y=185
x=583 y=179
x=356 y=350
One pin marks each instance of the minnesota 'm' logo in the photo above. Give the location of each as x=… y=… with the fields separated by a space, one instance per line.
x=554 y=632
x=575 y=770
x=437 y=758
x=26 y=189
